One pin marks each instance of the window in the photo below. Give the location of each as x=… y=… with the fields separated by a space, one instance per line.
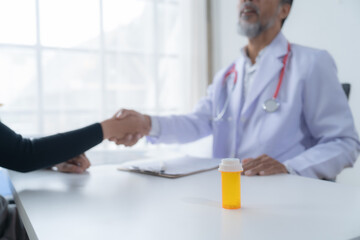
x=68 y=63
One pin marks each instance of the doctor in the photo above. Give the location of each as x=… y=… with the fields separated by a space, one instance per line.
x=279 y=107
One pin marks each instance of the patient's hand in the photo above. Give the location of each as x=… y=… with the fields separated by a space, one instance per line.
x=126 y=129
x=136 y=124
x=77 y=164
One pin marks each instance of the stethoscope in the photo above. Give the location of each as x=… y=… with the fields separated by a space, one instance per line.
x=271 y=105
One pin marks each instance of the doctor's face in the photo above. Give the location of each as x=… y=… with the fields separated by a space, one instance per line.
x=256 y=16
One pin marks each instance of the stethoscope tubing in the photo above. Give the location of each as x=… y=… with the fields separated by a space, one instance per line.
x=272 y=100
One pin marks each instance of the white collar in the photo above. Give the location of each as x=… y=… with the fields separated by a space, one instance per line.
x=248 y=63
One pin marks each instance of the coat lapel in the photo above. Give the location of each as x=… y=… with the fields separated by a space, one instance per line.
x=237 y=99
x=269 y=69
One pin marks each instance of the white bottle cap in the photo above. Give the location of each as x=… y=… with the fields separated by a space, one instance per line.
x=230 y=165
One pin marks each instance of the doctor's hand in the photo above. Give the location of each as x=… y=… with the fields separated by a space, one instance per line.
x=137 y=124
x=263 y=166
x=77 y=164
x=118 y=129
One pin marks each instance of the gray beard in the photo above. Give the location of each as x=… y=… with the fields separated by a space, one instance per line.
x=252 y=30
x=249 y=30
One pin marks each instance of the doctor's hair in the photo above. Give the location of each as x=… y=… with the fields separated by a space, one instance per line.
x=282 y=2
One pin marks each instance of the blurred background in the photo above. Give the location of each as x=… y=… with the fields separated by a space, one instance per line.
x=68 y=63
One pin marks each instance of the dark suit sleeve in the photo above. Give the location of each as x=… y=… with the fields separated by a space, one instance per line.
x=23 y=155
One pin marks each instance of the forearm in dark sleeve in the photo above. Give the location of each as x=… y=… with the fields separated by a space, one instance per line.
x=21 y=154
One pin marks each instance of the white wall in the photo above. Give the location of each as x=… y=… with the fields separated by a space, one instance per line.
x=333 y=25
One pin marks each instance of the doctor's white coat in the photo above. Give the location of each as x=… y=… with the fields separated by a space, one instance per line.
x=312 y=132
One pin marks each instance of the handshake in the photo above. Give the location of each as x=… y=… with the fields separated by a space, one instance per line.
x=126 y=127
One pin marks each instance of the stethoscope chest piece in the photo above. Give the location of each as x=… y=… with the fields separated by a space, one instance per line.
x=271 y=105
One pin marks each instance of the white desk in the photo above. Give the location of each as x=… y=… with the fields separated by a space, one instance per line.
x=108 y=204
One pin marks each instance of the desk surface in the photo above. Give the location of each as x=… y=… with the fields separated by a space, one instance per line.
x=107 y=204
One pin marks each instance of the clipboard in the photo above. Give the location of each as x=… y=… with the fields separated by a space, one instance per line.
x=171 y=167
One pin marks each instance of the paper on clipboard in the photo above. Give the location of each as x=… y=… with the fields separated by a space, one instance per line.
x=171 y=167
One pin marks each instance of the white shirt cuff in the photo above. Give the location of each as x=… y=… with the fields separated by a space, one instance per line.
x=290 y=169
x=155 y=127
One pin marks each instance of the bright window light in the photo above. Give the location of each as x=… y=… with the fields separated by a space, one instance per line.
x=68 y=63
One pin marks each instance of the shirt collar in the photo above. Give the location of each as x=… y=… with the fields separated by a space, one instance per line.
x=249 y=67
x=258 y=58
x=277 y=48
